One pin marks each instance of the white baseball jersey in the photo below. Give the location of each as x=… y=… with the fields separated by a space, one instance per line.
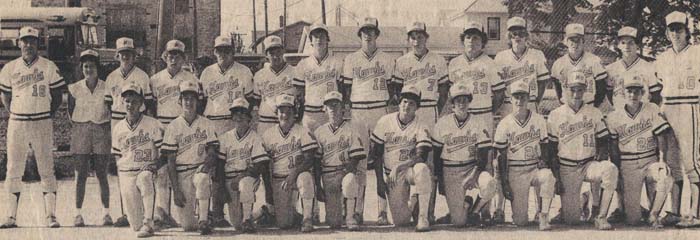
x=636 y=132
x=241 y=152
x=368 y=77
x=189 y=140
x=679 y=73
x=460 y=141
x=286 y=149
x=480 y=73
x=166 y=92
x=400 y=140
x=530 y=67
x=318 y=77
x=338 y=145
x=589 y=64
x=89 y=105
x=118 y=79
x=269 y=84
x=222 y=86
x=426 y=73
x=641 y=69
x=30 y=85
x=137 y=145
x=576 y=132
x=521 y=139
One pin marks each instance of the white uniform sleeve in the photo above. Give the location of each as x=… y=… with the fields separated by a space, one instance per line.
x=258 y=152
x=170 y=144
x=601 y=130
x=659 y=122
x=552 y=127
x=436 y=137
x=5 y=81
x=307 y=141
x=441 y=68
x=541 y=67
x=500 y=140
x=54 y=76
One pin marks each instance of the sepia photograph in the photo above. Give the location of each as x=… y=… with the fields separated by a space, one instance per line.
x=349 y=119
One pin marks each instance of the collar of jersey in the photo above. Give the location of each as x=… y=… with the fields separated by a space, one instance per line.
x=223 y=71
x=279 y=127
x=631 y=65
x=404 y=126
x=334 y=130
x=29 y=65
x=196 y=117
x=239 y=138
x=277 y=73
x=635 y=114
x=527 y=119
x=170 y=75
x=320 y=61
x=126 y=75
x=420 y=59
x=473 y=60
x=136 y=124
x=574 y=111
x=515 y=56
x=682 y=50
x=369 y=57
x=464 y=123
x=97 y=86
x=575 y=62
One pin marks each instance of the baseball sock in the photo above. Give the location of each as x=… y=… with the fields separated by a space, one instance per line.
x=79 y=211
x=50 y=202
x=605 y=200
x=105 y=211
x=676 y=197
x=546 y=203
x=203 y=209
x=13 y=204
x=307 y=205
x=694 y=197
x=381 y=206
x=247 y=210
x=423 y=205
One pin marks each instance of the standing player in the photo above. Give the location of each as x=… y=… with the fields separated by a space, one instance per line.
x=524 y=160
x=639 y=132
x=366 y=76
x=340 y=150
x=291 y=148
x=579 y=141
x=400 y=146
x=126 y=73
x=679 y=72
x=136 y=141
x=244 y=157
x=462 y=145
x=165 y=86
x=31 y=91
x=190 y=146
x=223 y=82
x=90 y=128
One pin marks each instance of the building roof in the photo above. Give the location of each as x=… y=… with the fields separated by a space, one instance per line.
x=278 y=32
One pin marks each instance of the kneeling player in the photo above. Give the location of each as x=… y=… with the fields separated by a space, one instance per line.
x=400 y=146
x=340 y=150
x=639 y=132
x=135 y=144
x=244 y=156
x=462 y=145
x=190 y=146
x=579 y=139
x=291 y=149
x=524 y=161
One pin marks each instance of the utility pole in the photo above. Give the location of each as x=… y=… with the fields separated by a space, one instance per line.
x=323 y=11
x=166 y=19
x=338 y=17
x=255 y=28
x=266 y=30
x=284 y=25
x=195 y=54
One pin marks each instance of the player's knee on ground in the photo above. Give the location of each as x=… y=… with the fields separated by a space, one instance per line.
x=246 y=189
x=661 y=174
x=423 y=180
x=305 y=184
x=609 y=175
x=487 y=185
x=202 y=185
x=144 y=181
x=546 y=180
x=350 y=187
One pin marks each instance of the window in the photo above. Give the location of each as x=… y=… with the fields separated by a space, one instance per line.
x=494 y=28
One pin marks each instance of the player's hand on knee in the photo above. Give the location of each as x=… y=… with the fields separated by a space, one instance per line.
x=471 y=182
x=179 y=197
x=507 y=192
x=441 y=185
x=320 y=194
x=288 y=182
x=150 y=167
x=559 y=188
x=391 y=180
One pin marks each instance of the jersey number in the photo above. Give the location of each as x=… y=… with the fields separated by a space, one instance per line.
x=330 y=86
x=644 y=144
x=379 y=84
x=431 y=84
x=690 y=83
x=39 y=91
x=589 y=140
x=233 y=95
x=532 y=152
x=480 y=87
x=200 y=149
x=293 y=161
x=142 y=155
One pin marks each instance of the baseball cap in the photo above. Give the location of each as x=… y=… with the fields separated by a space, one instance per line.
x=272 y=42
x=28 y=32
x=460 y=89
x=284 y=100
x=333 y=95
x=175 y=45
x=576 y=78
x=318 y=26
x=411 y=92
x=574 y=29
x=369 y=22
x=516 y=22
x=520 y=87
x=632 y=81
x=89 y=53
x=627 y=32
x=132 y=87
x=471 y=26
x=189 y=86
x=223 y=41
x=240 y=104
x=417 y=27
x=676 y=17
x=125 y=44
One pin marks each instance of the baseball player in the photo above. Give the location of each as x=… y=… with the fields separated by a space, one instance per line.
x=90 y=126
x=462 y=144
x=165 y=86
x=136 y=142
x=291 y=149
x=524 y=161
x=31 y=91
x=340 y=150
x=638 y=132
x=244 y=156
x=579 y=140
x=126 y=73
x=678 y=69
x=400 y=145
x=190 y=146
x=223 y=82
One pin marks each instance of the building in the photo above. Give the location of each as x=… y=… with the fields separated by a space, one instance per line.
x=292 y=34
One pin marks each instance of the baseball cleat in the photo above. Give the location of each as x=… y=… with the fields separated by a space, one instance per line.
x=382 y=219
x=354 y=222
x=499 y=217
x=423 y=224
x=145 y=231
x=601 y=223
x=107 y=220
x=655 y=222
x=9 y=223
x=79 y=222
x=688 y=222
x=204 y=228
x=617 y=216
x=557 y=218
x=645 y=214
x=447 y=219
x=122 y=222
x=248 y=226
x=473 y=219
x=307 y=226
x=670 y=219
x=544 y=222
x=168 y=221
x=266 y=218
x=52 y=223
x=220 y=223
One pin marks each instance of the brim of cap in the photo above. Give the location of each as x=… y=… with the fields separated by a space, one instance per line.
x=273 y=46
x=412 y=95
x=461 y=94
x=26 y=36
x=318 y=29
x=576 y=85
x=473 y=30
x=239 y=108
x=675 y=22
x=126 y=49
x=86 y=57
x=128 y=91
x=626 y=35
x=417 y=30
x=568 y=35
x=368 y=26
x=189 y=91
x=285 y=105
x=634 y=86
x=223 y=45
x=332 y=99
x=174 y=50
x=519 y=91
x=517 y=27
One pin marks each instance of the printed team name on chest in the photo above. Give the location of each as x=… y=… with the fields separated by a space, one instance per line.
x=392 y=138
x=320 y=76
x=635 y=129
x=274 y=88
x=526 y=137
x=216 y=88
x=138 y=139
x=342 y=143
x=510 y=73
x=165 y=92
x=476 y=74
x=420 y=72
x=567 y=128
x=198 y=136
x=29 y=78
x=241 y=153
x=458 y=139
x=377 y=70
x=293 y=145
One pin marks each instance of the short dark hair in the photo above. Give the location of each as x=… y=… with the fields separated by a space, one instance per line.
x=319 y=30
x=484 y=38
